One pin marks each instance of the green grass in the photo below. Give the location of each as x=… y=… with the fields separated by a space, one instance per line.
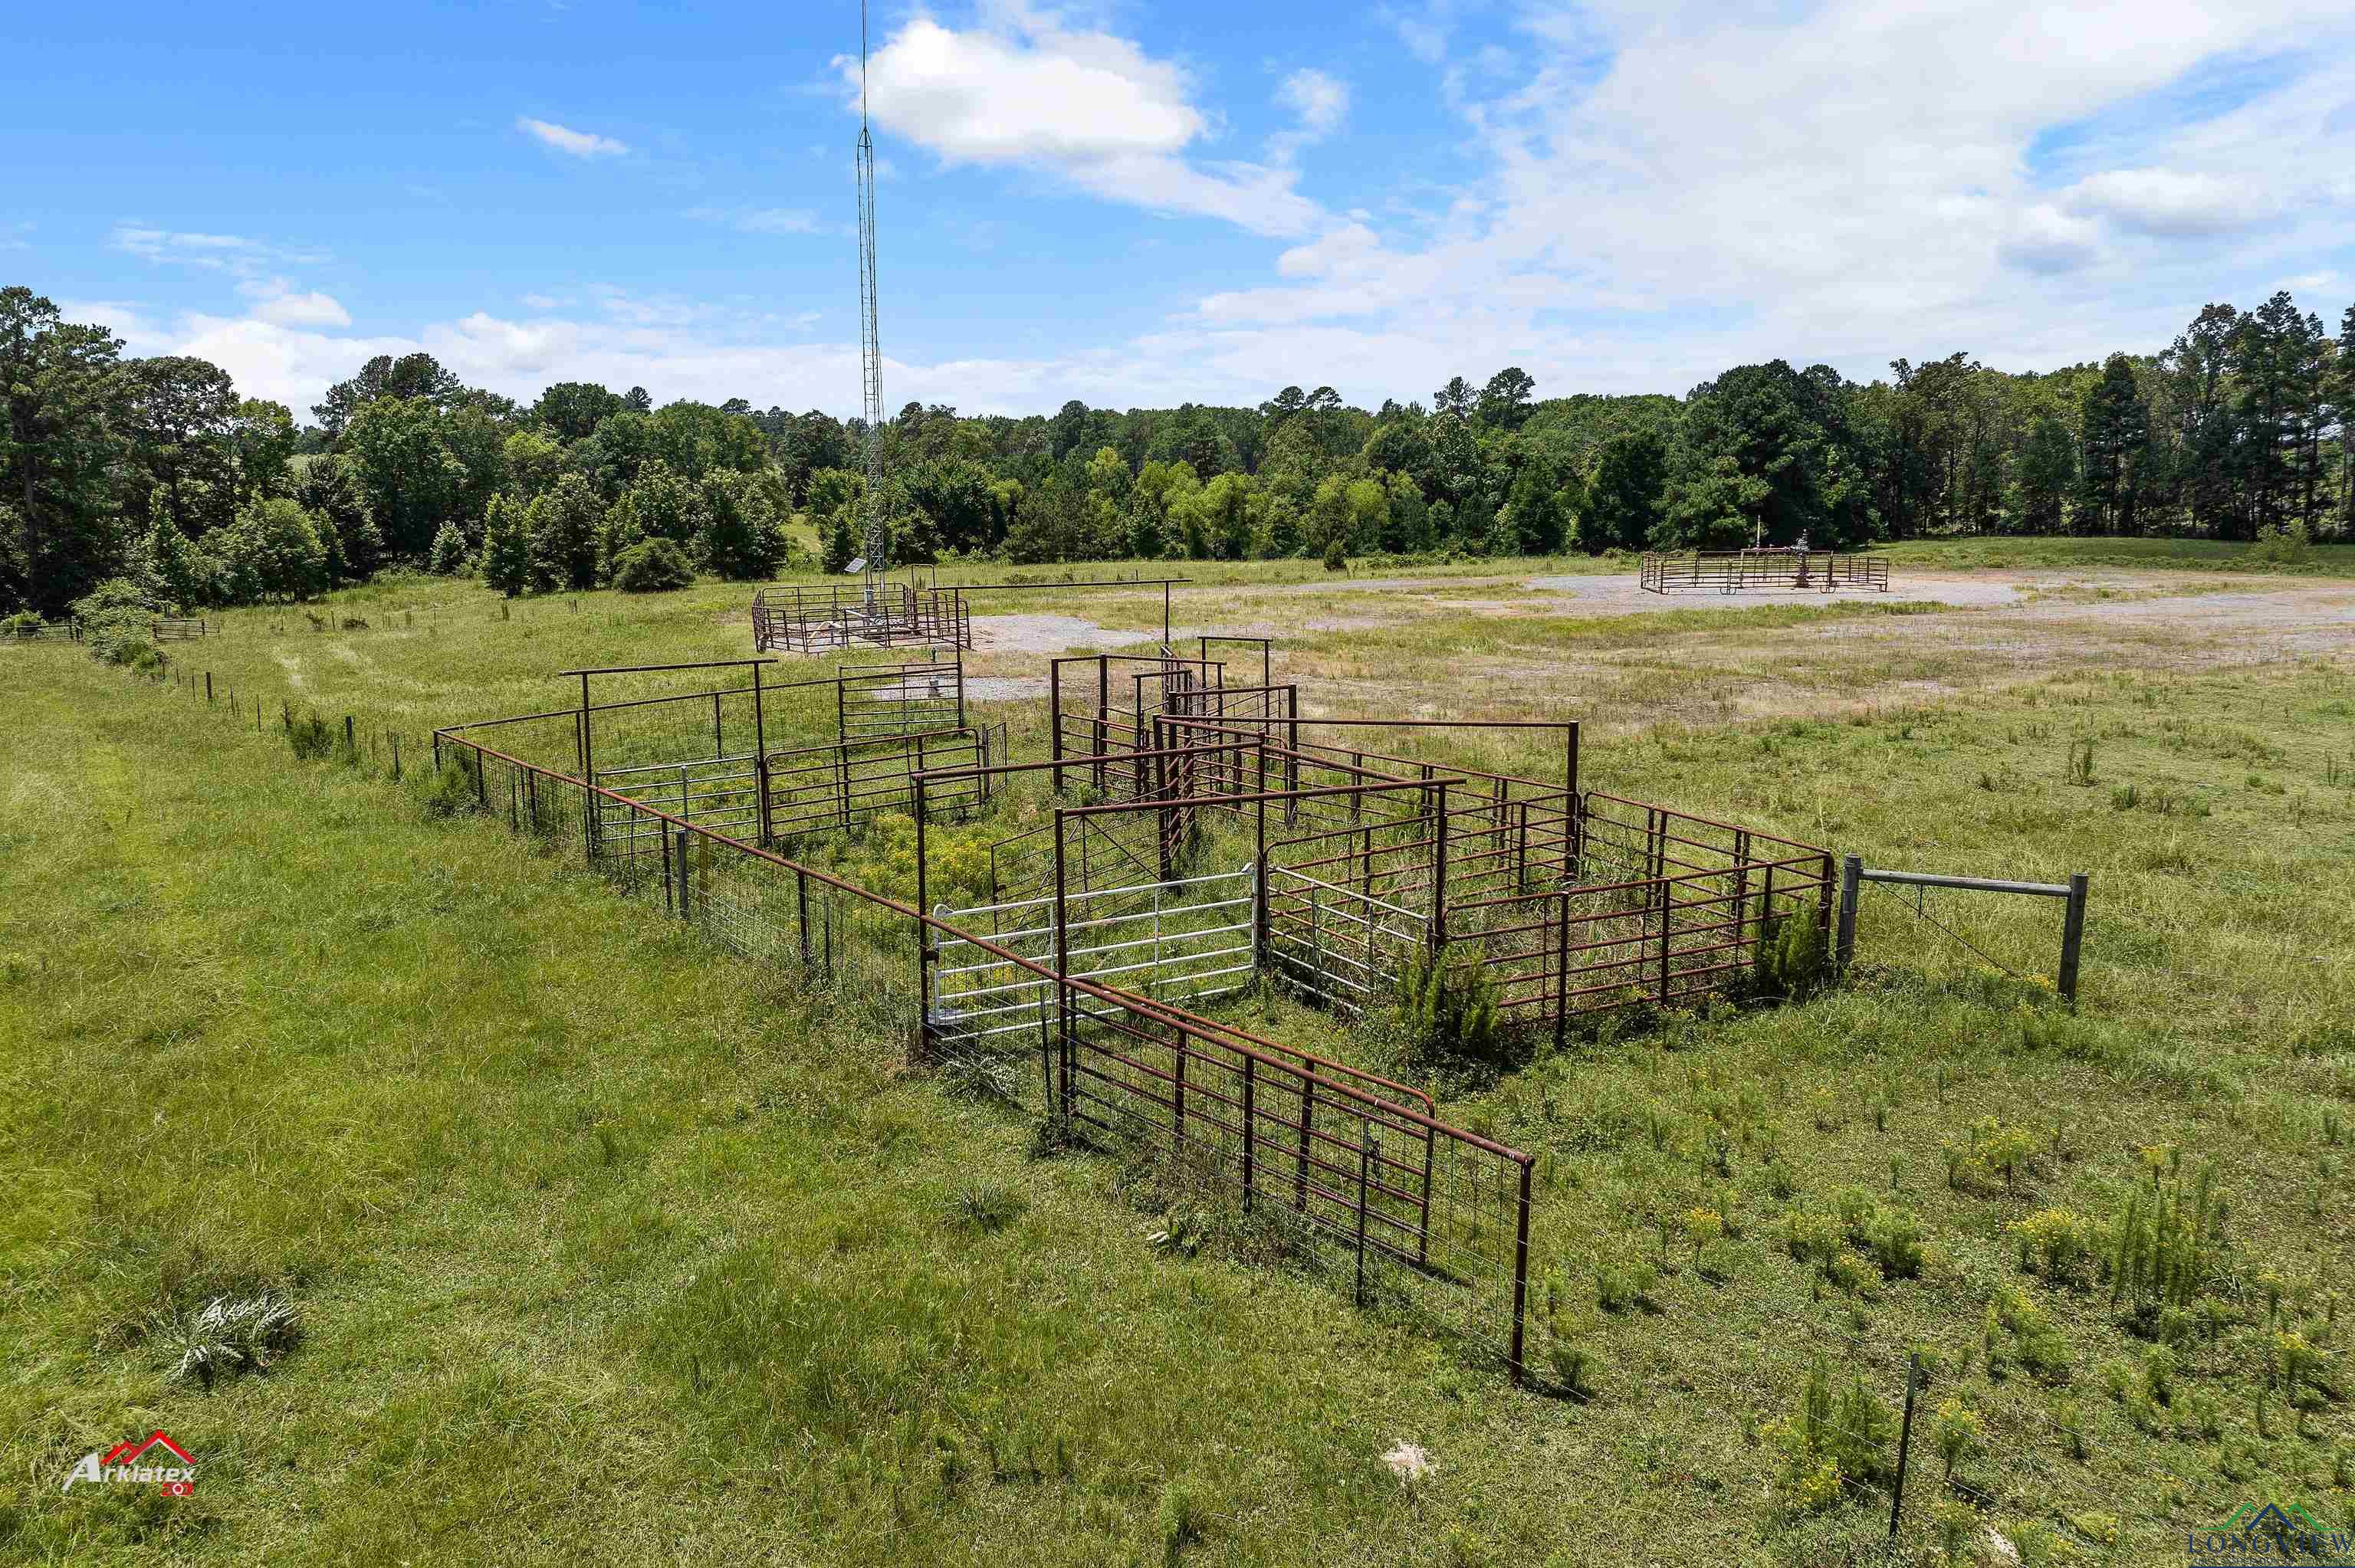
x=607 y=1245
x=2142 y=555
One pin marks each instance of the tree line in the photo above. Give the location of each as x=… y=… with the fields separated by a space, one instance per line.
x=156 y=470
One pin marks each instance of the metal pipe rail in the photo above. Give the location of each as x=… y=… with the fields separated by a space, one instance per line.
x=1854 y=874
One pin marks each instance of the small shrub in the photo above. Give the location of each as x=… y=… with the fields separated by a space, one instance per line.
x=2160 y=1240
x=1958 y=1528
x=1894 y=1235
x=986 y=1208
x=1619 y=1287
x=230 y=1334
x=452 y=791
x=2283 y=545
x=2056 y=1243
x=1847 y=1275
x=1991 y=1147
x=1957 y=1434
x=1447 y=1007
x=1575 y=1367
x=654 y=567
x=1181 y=1517
x=1831 y=1440
x=1812 y=1237
x=314 y=738
x=1789 y=959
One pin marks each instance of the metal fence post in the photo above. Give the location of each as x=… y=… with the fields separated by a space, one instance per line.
x=1259 y=898
x=1055 y=721
x=1439 y=872
x=1851 y=879
x=1668 y=925
x=1307 y=1120
x=1520 y=1275
x=1368 y=1144
x=801 y=902
x=1250 y=1087
x=2072 y=937
x=1905 y=1442
x=1062 y=964
x=1561 y=973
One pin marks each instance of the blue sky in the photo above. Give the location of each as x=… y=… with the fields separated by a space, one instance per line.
x=1142 y=205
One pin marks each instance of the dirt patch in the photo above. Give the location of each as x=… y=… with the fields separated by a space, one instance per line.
x=1707 y=677
x=1044 y=634
x=1004 y=688
x=1620 y=595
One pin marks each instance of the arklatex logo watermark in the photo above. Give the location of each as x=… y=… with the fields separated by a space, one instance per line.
x=120 y=1465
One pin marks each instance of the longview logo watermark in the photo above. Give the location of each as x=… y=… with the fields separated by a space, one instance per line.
x=2262 y=1535
x=120 y=1464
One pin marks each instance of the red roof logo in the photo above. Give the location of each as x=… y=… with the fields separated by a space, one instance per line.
x=130 y=1448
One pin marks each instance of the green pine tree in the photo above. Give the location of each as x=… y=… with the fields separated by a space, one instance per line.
x=448 y=557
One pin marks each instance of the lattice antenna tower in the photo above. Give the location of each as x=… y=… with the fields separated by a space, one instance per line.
x=870 y=351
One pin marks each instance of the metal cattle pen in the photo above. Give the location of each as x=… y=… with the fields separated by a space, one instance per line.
x=805 y=619
x=1432 y=1215
x=1737 y=571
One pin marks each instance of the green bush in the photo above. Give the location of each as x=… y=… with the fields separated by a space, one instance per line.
x=1448 y=1007
x=1789 y=958
x=1575 y=1367
x=118 y=625
x=314 y=738
x=452 y=792
x=2285 y=545
x=653 y=566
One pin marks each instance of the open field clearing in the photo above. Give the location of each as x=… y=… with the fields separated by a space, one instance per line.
x=608 y=1245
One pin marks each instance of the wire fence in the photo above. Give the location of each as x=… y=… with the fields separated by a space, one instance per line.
x=1349 y=1174
x=1315 y=1155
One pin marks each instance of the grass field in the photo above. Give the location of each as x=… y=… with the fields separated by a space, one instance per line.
x=609 y=1247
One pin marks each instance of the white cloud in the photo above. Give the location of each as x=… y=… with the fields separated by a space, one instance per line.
x=1318 y=101
x=764 y=220
x=564 y=139
x=1321 y=101
x=981 y=97
x=2169 y=202
x=1023 y=89
x=1657 y=192
x=1661 y=190
x=11 y=236
x=279 y=301
x=2045 y=240
x=233 y=253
